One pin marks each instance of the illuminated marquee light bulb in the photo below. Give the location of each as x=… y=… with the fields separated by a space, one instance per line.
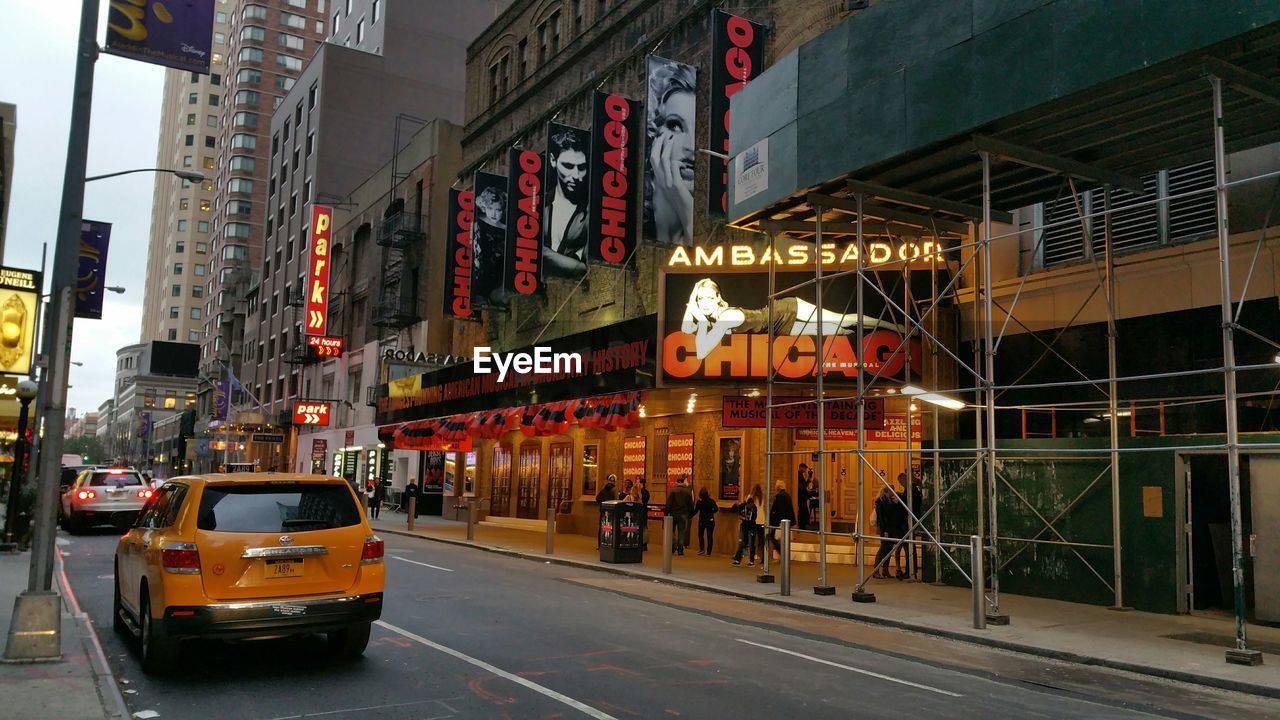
x=642 y=412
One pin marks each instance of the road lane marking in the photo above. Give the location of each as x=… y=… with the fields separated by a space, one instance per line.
x=374 y=707
x=860 y=671
x=548 y=692
x=415 y=562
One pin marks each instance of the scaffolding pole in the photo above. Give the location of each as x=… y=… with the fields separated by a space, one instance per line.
x=1240 y=654
x=860 y=593
x=822 y=588
x=1112 y=404
x=764 y=575
x=989 y=397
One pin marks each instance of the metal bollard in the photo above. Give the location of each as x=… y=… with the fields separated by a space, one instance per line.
x=978 y=574
x=784 y=564
x=413 y=510
x=551 y=530
x=471 y=519
x=668 y=523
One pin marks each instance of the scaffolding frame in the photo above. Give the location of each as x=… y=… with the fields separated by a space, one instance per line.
x=940 y=217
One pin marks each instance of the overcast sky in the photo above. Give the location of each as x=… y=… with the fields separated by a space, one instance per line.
x=37 y=68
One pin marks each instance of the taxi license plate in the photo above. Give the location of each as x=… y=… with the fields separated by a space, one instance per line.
x=284 y=568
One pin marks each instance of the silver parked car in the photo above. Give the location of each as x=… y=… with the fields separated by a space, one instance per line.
x=104 y=496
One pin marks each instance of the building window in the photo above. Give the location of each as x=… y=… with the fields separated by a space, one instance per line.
x=208 y=163
x=288 y=62
x=184 y=203
x=182 y=226
x=251 y=54
x=240 y=185
x=337 y=22
x=294 y=21
x=249 y=75
x=577 y=17
x=189 y=141
x=235 y=252
x=180 y=246
x=173 y=336
x=196 y=290
x=311 y=95
x=254 y=12
x=221 y=18
x=243 y=162
x=311 y=141
x=199 y=270
x=244 y=141
x=293 y=42
x=192 y=336
x=176 y=291
x=193 y=98
x=177 y=268
x=195 y=313
x=211 y=121
x=202 y=226
x=360 y=31
x=205 y=206
x=175 y=311
x=284 y=83
x=254 y=33
x=209 y=141
x=248 y=97
x=187 y=161
x=523 y=58
x=219 y=39
x=216 y=58
x=236 y=230
x=191 y=118
x=377 y=10
x=213 y=100
x=239 y=207
x=245 y=120
x=201 y=248
x=215 y=79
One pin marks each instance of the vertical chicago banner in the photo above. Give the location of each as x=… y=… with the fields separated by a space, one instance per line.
x=91 y=270
x=670 y=126
x=457 y=255
x=318 y=271
x=564 y=222
x=737 y=57
x=488 y=239
x=524 y=222
x=615 y=171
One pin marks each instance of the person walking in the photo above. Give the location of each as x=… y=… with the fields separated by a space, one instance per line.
x=680 y=506
x=375 y=500
x=902 y=526
x=781 y=509
x=747 y=511
x=644 y=526
x=885 y=515
x=706 y=509
x=802 y=498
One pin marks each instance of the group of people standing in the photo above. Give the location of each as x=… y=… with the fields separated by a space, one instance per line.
x=752 y=522
x=893 y=522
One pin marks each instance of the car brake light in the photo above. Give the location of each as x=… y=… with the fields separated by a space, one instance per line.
x=180 y=557
x=144 y=493
x=86 y=495
x=372 y=551
x=115 y=472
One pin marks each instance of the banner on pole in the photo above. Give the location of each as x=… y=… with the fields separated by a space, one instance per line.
x=172 y=33
x=91 y=273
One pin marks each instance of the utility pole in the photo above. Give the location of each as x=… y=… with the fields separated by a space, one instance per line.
x=37 y=610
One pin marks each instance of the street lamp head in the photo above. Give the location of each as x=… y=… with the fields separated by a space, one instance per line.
x=115 y=289
x=192 y=175
x=27 y=390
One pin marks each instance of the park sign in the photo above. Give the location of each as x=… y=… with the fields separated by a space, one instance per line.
x=172 y=33
x=324 y=346
x=318 y=271
x=19 y=297
x=306 y=412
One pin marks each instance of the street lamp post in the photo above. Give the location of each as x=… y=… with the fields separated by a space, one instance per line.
x=26 y=393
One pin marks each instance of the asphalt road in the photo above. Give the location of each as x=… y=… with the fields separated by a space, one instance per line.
x=469 y=634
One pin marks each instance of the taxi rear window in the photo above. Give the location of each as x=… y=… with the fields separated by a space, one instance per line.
x=108 y=479
x=277 y=507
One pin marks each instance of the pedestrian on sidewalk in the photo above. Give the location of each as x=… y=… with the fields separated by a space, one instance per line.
x=374 y=493
x=644 y=526
x=410 y=496
x=781 y=509
x=747 y=511
x=883 y=518
x=706 y=509
x=902 y=524
x=680 y=506
x=802 y=497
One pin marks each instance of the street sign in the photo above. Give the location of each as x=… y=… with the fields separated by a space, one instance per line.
x=318 y=271
x=325 y=346
x=310 y=413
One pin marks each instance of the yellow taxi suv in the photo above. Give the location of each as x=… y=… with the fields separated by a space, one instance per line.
x=246 y=556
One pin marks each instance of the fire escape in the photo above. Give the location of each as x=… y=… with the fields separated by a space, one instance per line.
x=399 y=234
x=299 y=353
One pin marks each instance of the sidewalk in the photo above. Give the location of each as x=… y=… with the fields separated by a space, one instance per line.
x=77 y=687
x=1179 y=647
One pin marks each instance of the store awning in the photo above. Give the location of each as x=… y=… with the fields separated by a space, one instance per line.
x=455 y=433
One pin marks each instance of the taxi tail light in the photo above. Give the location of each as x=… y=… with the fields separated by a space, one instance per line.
x=86 y=495
x=372 y=551
x=180 y=557
x=144 y=493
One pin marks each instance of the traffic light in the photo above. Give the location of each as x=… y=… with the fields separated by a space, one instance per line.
x=86 y=457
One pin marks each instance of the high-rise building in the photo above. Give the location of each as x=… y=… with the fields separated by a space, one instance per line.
x=182 y=210
x=8 y=126
x=268 y=44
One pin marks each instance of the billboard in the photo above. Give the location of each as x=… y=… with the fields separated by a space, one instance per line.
x=564 y=221
x=488 y=240
x=318 y=271
x=615 y=169
x=523 y=267
x=738 y=411
x=310 y=413
x=670 y=126
x=737 y=56
x=91 y=271
x=715 y=326
x=172 y=33
x=19 y=299
x=457 y=255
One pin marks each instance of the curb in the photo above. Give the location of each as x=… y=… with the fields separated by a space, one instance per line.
x=1062 y=655
x=108 y=689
